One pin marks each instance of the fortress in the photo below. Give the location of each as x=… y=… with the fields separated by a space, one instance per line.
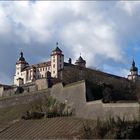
x=29 y=78
x=26 y=73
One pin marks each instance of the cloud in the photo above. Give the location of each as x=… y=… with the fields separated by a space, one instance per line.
x=102 y=32
x=130 y=7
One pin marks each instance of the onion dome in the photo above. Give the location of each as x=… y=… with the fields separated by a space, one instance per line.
x=21 y=57
x=133 y=67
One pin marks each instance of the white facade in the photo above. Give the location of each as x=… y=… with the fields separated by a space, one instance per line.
x=133 y=72
x=57 y=62
x=26 y=73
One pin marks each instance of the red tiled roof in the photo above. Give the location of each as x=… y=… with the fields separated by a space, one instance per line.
x=39 y=65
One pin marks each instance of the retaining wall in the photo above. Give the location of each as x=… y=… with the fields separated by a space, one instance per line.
x=74 y=95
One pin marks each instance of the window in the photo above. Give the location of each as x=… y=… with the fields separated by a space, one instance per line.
x=43 y=69
x=53 y=65
x=60 y=66
x=60 y=60
x=53 y=56
x=53 y=71
x=53 y=60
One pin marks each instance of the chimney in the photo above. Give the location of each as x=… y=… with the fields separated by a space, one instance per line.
x=69 y=61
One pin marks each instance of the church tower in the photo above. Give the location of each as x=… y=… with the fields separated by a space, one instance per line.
x=133 y=72
x=20 y=65
x=57 y=61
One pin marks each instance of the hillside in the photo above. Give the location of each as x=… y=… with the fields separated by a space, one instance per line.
x=44 y=128
x=12 y=127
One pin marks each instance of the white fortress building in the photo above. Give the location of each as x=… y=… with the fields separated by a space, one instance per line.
x=26 y=73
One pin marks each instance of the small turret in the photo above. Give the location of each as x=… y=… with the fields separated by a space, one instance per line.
x=133 y=72
x=134 y=69
x=80 y=62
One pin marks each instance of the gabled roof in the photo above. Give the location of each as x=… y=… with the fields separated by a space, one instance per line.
x=39 y=65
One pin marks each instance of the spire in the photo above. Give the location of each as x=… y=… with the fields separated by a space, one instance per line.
x=133 y=67
x=21 y=54
x=133 y=63
x=56 y=44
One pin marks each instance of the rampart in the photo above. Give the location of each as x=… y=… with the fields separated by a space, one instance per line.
x=74 y=73
x=40 y=84
x=74 y=95
x=24 y=98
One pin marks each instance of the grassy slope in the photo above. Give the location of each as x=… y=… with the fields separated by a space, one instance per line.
x=10 y=114
x=66 y=127
x=63 y=127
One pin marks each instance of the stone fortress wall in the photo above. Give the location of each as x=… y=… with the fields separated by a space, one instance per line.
x=74 y=73
x=74 y=95
x=40 y=84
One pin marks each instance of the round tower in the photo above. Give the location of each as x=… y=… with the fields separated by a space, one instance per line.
x=57 y=61
x=20 y=65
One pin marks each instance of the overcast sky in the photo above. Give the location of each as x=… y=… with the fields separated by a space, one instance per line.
x=107 y=34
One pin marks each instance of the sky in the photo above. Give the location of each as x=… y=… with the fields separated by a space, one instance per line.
x=105 y=33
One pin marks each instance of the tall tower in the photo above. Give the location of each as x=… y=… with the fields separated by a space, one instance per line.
x=20 y=65
x=133 y=72
x=57 y=61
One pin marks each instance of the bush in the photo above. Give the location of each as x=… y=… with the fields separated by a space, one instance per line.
x=32 y=115
x=47 y=107
x=111 y=129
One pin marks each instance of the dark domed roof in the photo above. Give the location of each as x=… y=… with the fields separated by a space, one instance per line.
x=133 y=68
x=57 y=49
x=80 y=60
x=21 y=57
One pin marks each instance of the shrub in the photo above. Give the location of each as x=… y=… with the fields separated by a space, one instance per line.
x=47 y=107
x=32 y=115
x=112 y=129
